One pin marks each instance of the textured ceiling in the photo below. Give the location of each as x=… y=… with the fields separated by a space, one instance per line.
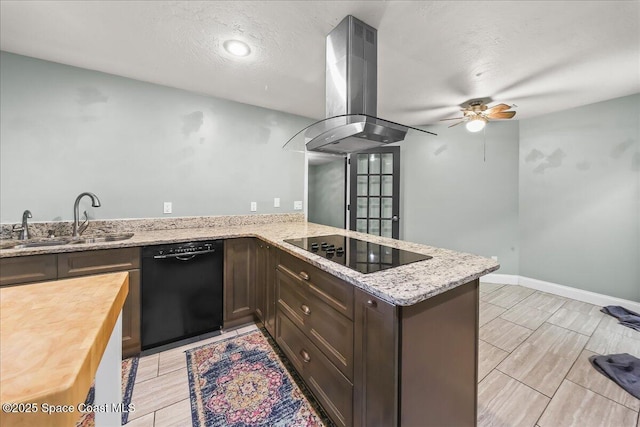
x=543 y=56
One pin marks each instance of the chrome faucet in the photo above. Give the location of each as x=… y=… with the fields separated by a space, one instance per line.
x=24 y=229
x=78 y=228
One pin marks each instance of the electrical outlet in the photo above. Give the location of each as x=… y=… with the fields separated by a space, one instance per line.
x=297 y=205
x=168 y=207
x=494 y=257
x=276 y=202
x=254 y=206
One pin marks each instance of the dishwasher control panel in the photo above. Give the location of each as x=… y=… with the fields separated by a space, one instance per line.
x=181 y=249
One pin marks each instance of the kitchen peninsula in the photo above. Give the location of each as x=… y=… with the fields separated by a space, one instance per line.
x=404 y=347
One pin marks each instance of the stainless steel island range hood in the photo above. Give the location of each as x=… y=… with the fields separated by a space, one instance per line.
x=351 y=91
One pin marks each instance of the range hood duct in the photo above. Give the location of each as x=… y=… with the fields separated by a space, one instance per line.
x=351 y=95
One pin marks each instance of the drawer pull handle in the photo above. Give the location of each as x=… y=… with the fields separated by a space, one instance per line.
x=305 y=309
x=303 y=275
x=305 y=356
x=372 y=303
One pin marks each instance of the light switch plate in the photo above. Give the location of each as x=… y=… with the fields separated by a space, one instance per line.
x=168 y=207
x=276 y=202
x=297 y=205
x=254 y=206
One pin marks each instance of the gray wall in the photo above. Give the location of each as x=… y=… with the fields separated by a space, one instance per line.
x=327 y=193
x=452 y=198
x=65 y=130
x=580 y=197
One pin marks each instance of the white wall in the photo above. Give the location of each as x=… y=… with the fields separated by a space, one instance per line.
x=564 y=209
x=452 y=198
x=580 y=197
x=65 y=130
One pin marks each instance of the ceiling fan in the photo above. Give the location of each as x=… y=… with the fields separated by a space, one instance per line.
x=476 y=114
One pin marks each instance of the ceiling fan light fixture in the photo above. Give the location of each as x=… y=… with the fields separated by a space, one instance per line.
x=476 y=124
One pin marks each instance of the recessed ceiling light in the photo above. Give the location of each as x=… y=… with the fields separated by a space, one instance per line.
x=237 y=47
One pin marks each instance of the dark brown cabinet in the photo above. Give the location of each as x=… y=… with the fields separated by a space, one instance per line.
x=76 y=264
x=239 y=281
x=332 y=389
x=265 y=268
x=28 y=269
x=417 y=360
x=327 y=328
x=375 y=350
x=314 y=328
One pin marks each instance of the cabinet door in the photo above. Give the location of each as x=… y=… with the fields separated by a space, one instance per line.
x=239 y=285
x=131 y=344
x=262 y=256
x=327 y=328
x=332 y=389
x=375 y=376
x=265 y=285
x=270 y=289
x=27 y=269
x=74 y=264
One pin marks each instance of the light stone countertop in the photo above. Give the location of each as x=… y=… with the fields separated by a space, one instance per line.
x=404 y=285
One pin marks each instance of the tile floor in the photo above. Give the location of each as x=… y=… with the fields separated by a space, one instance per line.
x=533 y=366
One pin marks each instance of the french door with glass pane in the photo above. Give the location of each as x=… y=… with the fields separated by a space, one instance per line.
x=375 y=192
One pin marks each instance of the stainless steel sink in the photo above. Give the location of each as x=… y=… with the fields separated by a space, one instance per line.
x=113 y=237
x=37 y=243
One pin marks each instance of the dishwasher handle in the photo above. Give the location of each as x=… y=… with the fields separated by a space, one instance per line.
x=186 y=256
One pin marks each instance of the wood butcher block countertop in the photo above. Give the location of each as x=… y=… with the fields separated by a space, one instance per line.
x=52 y=338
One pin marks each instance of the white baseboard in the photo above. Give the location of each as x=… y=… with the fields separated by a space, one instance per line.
x=501 y=279
x=578 y=294
x=560 y=290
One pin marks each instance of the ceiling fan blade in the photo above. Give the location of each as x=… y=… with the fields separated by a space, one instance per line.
x=456 y=124
x=455 y=118
x=497 y=108
x=501 y=115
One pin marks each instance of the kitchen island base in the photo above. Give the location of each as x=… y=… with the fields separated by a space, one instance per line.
x=417 y=365
x=438 y=385
x=372 y=363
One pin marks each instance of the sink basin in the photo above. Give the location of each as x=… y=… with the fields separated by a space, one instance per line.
x=37 y=243
x=114 y=237
x=19 y=244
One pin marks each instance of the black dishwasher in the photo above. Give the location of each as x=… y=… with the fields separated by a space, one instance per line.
x=181 y=291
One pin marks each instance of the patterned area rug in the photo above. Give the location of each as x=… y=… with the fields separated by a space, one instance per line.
x=243 y=381
x=129 y=369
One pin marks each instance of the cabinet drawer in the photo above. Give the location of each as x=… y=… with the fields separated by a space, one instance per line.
x=26 y=269
x=328 y=288
x=325 y=327
x=330 y=387
x=96 y=262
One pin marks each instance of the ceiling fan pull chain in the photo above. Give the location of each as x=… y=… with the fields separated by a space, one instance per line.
x=484 y=144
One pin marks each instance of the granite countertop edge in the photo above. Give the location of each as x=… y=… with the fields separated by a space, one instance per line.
x=405 y=285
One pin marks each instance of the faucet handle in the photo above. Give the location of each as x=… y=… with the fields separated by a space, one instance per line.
x=82 y=227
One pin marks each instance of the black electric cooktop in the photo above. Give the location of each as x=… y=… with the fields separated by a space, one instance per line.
x=359 y=255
